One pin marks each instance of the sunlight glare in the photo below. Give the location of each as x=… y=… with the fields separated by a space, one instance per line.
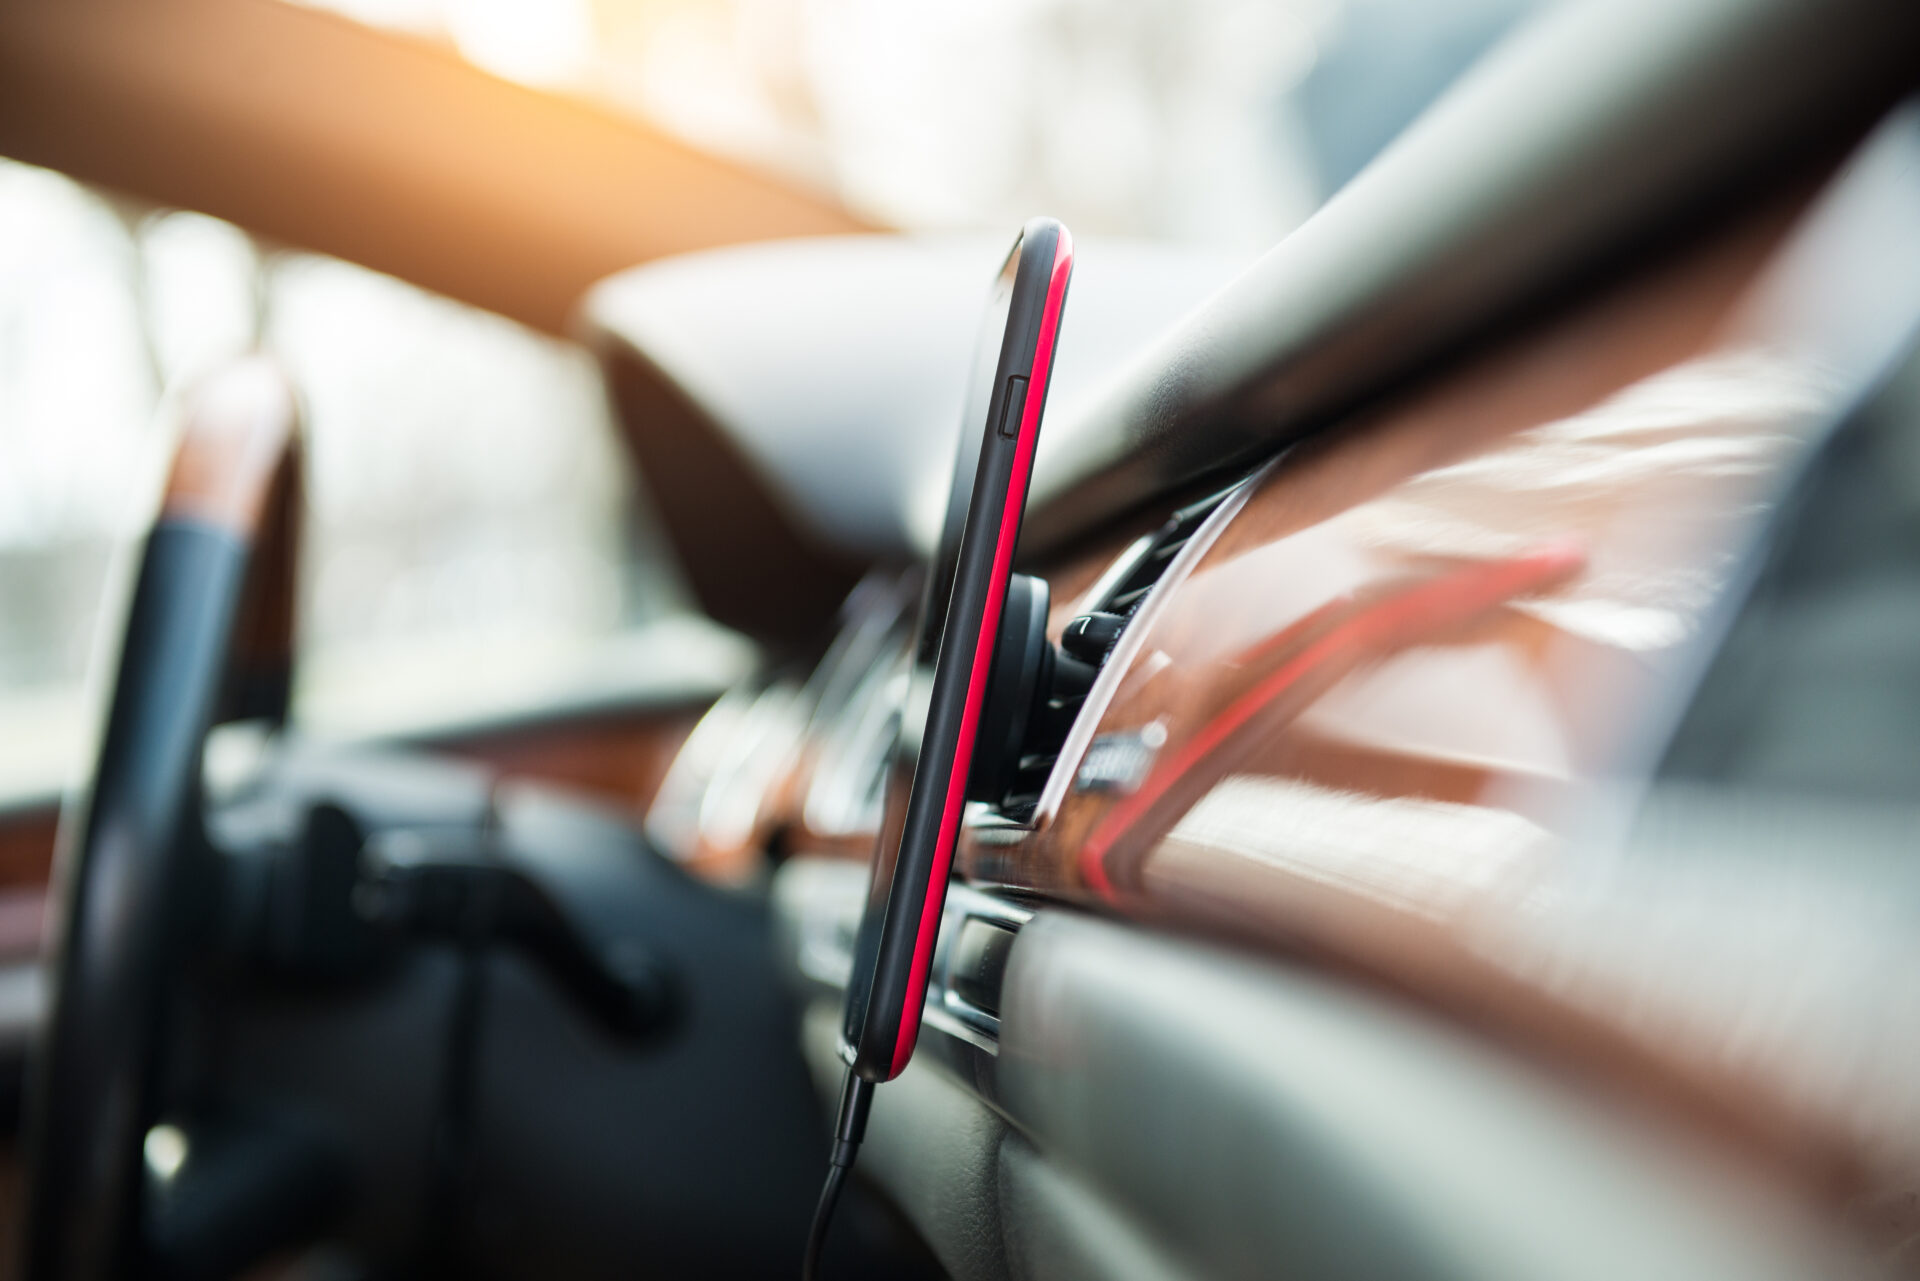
x=547 y=43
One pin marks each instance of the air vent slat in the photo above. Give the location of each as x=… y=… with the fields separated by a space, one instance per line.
x=1171 y=539
x=1132 y=580
x=1193 y=513
x=1168 y=550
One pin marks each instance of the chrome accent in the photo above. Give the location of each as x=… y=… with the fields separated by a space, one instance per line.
x=1128 y=561
x=945 y=1009
x=1127 y=648
x=1119 y=763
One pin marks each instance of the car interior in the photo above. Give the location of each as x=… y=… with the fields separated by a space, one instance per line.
x=1454 y=814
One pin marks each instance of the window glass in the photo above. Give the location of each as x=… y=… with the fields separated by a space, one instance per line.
x=78 y=387
x=475 y=544
x=474 y=525
x=1220 y=122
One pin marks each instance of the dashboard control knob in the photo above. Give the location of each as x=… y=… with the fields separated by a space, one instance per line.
x=1090 y=636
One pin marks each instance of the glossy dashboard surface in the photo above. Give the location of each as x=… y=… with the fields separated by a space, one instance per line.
x=1392 y=699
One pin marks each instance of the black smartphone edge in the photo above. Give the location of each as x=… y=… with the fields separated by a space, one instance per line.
x=883 y=1021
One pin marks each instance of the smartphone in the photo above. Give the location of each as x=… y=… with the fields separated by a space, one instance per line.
x=953 y=647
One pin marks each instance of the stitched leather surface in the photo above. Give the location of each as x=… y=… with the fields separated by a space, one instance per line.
x=1179 y=1111
x=1251 y=1121
x=1060 y=1229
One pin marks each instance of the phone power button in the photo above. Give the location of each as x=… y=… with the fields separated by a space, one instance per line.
x=1015 y=408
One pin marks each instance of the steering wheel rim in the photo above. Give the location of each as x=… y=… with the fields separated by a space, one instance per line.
x=128 y=844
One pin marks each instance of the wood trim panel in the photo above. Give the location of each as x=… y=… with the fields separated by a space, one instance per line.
x=1241 y=611
x=1427 y=666
x=26 y=846
x=619 y=759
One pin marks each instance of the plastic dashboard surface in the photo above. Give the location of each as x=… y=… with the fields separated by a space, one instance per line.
x=1383 y=698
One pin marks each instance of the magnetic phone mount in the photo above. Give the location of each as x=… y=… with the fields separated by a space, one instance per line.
x=1033 y=688
x=1022 y=663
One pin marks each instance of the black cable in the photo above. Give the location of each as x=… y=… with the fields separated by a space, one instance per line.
x=856 y=1096
x=822 y=1216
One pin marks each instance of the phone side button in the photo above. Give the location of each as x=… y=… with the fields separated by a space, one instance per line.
x=1015 y=407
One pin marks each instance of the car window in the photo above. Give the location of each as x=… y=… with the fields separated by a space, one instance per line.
x=473 y=527
x=1221 y=122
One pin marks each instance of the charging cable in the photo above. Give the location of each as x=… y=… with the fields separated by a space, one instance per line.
x=856 y=1096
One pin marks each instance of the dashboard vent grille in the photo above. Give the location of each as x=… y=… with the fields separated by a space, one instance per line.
x=1088 y=640
x=1146 y=563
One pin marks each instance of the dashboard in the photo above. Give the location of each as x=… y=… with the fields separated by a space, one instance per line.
x=1400 y=665
x=1392 y=697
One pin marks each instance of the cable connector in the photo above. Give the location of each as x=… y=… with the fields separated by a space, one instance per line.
x=856 y=1098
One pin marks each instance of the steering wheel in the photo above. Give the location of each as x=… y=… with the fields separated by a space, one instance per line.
x=204 y=640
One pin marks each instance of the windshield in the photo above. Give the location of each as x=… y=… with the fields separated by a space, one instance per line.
x=1217 y=122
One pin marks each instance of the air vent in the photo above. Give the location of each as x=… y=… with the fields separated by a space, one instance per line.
x=1087 y=642
x=1136 y=573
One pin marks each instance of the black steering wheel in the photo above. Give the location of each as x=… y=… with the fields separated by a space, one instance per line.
x=204 y=640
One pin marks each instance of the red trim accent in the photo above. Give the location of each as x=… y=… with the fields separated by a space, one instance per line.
x=1434 y=604
x=983 y=655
